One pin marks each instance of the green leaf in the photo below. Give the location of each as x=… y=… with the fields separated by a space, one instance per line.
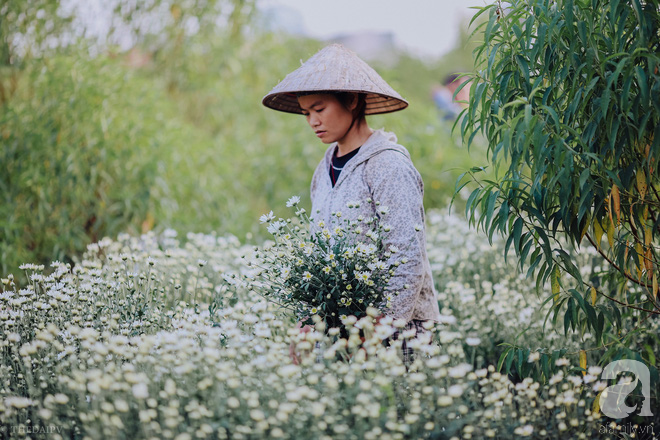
x=493 y=54
x=615 y=76
x=605 y=102
x=503 y=357
x=470 y=201
x=503 y=216
x=490 y=209
x=554 y=116
x=584 y=175
x=475 y=102
x=568 y=317
x=509 y=361
x=536 y=259
x=578 y=298
x=480 y=11
x=570 y=267
x=642 y=84
x=524 y=68
x=617 y=315
x=600 y=324
x=545 y=243
x=517 y=231
x=525 y=251
x=545 y=365
x=649 y=352
x=592 y=319
x=613 y=9
x=507 y=246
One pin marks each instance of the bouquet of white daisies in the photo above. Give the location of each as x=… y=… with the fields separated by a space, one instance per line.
x=332 y=274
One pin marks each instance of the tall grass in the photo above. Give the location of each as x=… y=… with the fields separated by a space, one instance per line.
x=92 y=146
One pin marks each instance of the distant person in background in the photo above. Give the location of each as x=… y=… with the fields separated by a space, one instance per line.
x=450 y=106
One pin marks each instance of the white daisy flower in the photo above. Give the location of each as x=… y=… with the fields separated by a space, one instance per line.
x=362 y=276
x=275 y=227
x=293 y=201
x=267 y=217
x=472 y=342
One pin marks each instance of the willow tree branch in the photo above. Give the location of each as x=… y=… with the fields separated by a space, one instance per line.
x=654 y=312
x=655 y=191
x=613 y=264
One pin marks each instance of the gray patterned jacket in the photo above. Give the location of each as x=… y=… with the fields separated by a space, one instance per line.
x=383 y=171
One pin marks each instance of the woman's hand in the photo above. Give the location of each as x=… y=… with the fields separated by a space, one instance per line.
x=295 y=357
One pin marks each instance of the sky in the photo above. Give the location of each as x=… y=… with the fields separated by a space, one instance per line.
x=427 y=28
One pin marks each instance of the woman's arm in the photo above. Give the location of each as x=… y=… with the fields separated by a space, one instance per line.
x=397 y=185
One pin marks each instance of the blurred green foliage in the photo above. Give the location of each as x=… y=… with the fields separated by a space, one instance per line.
x=81 y=141
x=97 y=141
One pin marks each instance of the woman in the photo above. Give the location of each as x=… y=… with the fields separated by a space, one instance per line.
x=335 y=90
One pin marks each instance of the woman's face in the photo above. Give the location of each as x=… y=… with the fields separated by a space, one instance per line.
x=329 y=119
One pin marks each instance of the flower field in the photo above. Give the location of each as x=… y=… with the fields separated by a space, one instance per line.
x=157 y=337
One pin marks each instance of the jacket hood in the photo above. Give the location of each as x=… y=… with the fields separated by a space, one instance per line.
x=379 y=141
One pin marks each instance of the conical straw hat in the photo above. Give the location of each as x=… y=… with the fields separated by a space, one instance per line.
x=335 y=69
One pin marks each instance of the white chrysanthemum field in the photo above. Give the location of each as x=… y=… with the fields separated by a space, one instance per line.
x=155 y=338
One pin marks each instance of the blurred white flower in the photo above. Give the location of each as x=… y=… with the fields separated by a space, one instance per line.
x=233 y=402
x=588 y=378
x=447 y=319
x=594 y=370
x=18 y=402
x=293 y=201
x=473 y=341
x=140 y=391
x=455 y=391
x=267 y=217
x=60 y=398
x=444 y=401
x=460 y=370
x=275 y=227
x=524 y=431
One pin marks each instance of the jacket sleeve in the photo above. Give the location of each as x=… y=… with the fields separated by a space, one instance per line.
x=397 y=186
x=314 y=183
x=316 y=177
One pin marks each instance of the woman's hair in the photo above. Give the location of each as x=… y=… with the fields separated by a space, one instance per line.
x=346 y=99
